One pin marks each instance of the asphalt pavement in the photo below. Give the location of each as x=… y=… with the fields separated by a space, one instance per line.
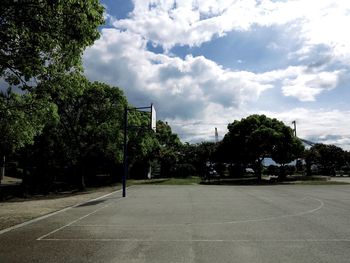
x=280 y=223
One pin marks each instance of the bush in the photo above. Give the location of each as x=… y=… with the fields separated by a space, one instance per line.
x=183 y=170
x=272 y=170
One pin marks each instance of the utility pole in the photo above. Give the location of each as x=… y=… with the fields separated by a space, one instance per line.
x=216 y=135
x=295 y=128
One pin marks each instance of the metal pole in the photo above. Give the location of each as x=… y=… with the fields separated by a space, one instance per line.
x=125 y=164
x=295 y=128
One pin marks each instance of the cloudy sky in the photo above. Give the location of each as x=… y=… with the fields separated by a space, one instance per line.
x=205 y=63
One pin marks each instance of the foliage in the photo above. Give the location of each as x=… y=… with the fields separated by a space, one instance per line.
x=183 y=170
x=39 y=38
x=142 y=144
x=169 y=151
x=256 y=137
x=189 y=180
x=328 y=157
x=287 y=147
x=22 y=117
x=204 y=159
x=89 y=132
x=165 y=136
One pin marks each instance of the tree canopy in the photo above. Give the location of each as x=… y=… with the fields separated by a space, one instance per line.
x=22 y=117
x=256 y=137
x=328 y=158
x=62 y=121
x=90 y=121
x=39 y=38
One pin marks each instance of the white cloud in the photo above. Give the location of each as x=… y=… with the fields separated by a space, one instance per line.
x=194 y=91
x=187 y=22
x=305 y=86
x=302 y=82
x=193 y=87
x=181 y=87
x=318 y=125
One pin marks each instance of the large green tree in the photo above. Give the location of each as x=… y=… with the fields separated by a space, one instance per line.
x=256 y=137
x=142 y=144
x=39 y=38
x=203 y=159
x=90 y=126
x=169 y=149
x=328 y=158
x=287 y=148
x=22 y=117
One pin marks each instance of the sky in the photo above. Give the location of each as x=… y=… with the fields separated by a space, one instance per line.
x=206 y=63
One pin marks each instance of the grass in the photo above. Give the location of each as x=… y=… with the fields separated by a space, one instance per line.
x=167 y=181
x=315 y=182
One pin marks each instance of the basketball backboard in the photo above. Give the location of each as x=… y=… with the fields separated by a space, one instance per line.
x=153 y=118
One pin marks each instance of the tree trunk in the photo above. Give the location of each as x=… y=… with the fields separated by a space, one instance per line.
x=282 y=173
x=308 y=168
x=81 y=178
x=259 y=173
x=258 y=169
x=82 y=182
x=2 y=168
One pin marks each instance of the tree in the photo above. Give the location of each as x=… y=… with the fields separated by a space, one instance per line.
x=169 y=149
x=90 y=127
x=40 y=38
x=328 y=157
x=204 y=159
x=256 y=137
x=165 y=135
x=22 y=117
x=142 y=150
x=287 y=148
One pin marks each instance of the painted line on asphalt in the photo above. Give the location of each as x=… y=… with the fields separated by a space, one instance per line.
x=270 y=218
x=74 y=221
x=84 y=216
x=54 y=213
x=195 y=240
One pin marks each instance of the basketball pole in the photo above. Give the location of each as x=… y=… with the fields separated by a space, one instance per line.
x=125 y=148
x=125 y=164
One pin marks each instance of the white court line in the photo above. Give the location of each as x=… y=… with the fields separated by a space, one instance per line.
x=80 y=218
x=54 y=213
x=194 y=240
x=76 y=220
x=217 y=223
x=213 y=223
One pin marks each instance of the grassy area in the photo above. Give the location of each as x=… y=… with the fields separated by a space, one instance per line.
x=167 y=181
x=242 y=181
x=315 y=182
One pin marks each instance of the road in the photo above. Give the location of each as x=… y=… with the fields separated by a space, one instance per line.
x=282 y=223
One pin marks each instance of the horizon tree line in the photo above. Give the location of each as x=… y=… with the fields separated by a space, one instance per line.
x=56 y=126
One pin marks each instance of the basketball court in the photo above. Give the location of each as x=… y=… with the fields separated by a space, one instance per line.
x=192 y=224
